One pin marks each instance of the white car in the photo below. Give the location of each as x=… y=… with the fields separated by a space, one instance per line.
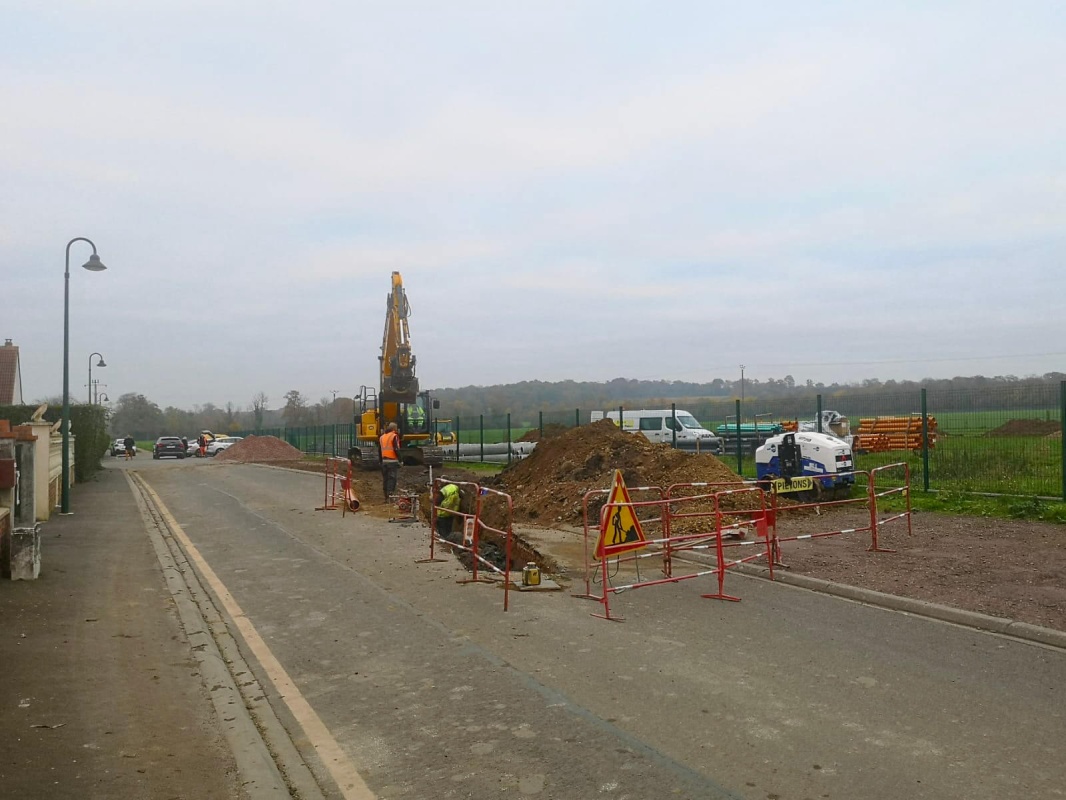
x=216 y=446
x=118 y=448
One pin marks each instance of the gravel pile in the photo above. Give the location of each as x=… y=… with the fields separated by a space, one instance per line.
x=260 y=448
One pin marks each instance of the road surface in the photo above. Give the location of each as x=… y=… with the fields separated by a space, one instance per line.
x=393 y=680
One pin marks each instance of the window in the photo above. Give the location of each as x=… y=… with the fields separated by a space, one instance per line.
x=651 y=423
x=673 y=424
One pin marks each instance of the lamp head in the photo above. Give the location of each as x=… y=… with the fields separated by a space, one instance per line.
x=101 y=363
x=94 y=264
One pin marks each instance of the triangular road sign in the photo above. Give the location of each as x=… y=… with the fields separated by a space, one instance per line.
x=620 y=529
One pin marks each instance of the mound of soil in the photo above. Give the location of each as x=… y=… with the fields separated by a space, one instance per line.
x=260 y=448
x=1027 y=427
x=551 y=429
x=550 y=484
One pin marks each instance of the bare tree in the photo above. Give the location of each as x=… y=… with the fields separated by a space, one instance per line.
x=295 y=408
x=259 y=404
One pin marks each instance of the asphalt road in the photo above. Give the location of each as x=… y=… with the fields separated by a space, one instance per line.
x=427 y=689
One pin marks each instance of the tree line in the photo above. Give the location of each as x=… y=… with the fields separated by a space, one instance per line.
x=136 y=414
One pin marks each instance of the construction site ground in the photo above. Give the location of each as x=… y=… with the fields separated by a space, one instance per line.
x=1005 y=568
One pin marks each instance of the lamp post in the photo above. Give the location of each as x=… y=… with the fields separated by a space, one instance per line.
x=94 y=264
x=99 y=363
x=741 y=385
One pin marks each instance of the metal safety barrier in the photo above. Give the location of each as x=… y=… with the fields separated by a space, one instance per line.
x=473 y=527
x=338 y=486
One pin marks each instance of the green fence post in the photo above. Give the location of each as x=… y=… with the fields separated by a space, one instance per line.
x=577 y=417
x=740 y=448
x=334 y=439
x=458 y=439
x=481 y=434
x=818 y=415
x=673 y=424
x=509 y=447
x=925 y=444
x=1062 y=421
x=541 y=414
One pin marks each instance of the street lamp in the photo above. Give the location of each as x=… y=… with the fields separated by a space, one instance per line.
x=741 y=385
x=94 y=264
x=99 y=363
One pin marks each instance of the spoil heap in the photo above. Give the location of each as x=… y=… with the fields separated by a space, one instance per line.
x=1027 y=427
x=548 y=485
x=258 y=449
x=551 y=429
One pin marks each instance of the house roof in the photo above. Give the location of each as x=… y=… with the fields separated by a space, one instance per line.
x=10 y=378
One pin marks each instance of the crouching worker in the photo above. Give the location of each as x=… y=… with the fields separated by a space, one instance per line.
x=447 y=510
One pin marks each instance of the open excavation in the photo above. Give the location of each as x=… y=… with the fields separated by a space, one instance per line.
x=556 y=492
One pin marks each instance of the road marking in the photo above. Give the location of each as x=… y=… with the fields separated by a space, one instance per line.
x=341 y=769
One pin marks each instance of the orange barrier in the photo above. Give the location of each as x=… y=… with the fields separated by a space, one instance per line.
x=691 y=505
x=657 y=491
x=470 y=541
x=338 y=473
x=904 y=490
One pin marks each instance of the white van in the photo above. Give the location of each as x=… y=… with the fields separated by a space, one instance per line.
x=661 y=425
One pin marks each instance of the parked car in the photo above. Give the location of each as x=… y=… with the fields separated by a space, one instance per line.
x=216 y=446
x=168 y=446
x=118 y=448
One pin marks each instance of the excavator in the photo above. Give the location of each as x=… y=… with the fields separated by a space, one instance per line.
x=397 y=398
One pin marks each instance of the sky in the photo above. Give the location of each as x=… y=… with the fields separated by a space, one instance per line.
x=571 y=190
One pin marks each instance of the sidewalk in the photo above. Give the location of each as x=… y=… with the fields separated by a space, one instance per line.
x=100 y=695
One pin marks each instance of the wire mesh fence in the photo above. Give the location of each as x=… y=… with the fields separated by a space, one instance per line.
x=999 y=439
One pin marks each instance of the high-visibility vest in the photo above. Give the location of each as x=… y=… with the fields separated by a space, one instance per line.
x=390 y=445
x=449 y=502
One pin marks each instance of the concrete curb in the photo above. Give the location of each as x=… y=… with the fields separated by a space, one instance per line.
x=922 y=608
x=268 y=761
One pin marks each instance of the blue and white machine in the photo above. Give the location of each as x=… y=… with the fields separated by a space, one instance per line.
x=815 y=464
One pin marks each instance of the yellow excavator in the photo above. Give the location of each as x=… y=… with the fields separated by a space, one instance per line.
x=397 y=398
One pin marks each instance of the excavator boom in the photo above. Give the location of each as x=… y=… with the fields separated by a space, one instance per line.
x=398 y=381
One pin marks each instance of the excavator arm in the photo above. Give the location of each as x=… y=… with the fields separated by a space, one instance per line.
x=398 y=381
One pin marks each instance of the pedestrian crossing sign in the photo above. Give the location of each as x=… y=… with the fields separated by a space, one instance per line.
x=620 y=529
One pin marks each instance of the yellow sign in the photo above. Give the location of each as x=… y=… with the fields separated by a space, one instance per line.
x=783 y=485
x=620 y=529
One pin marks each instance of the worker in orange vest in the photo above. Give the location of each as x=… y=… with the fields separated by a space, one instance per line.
x=390 y=459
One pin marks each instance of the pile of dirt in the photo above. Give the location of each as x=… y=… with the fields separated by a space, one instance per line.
x=260 y=448
x=551 y=429
x=1027 y=427
x=549 y=485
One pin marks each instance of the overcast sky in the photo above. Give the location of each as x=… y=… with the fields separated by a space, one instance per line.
x=571 y=190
